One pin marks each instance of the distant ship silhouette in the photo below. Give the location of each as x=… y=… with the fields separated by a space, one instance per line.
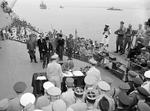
x=114 y=9
x=61 y=6
x=43 y=6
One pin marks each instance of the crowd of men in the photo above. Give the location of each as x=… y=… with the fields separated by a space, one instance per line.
x=97 y=95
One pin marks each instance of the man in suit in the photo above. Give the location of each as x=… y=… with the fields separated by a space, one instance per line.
x=40 y=44
x=47 y=51
x=60 y=46
x=31 y=46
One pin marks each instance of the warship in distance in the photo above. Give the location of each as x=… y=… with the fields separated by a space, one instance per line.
x=43 y=6
x=114 y=9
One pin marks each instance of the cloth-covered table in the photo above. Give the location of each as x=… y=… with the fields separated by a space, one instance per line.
x=78 y=77
x=38 y=80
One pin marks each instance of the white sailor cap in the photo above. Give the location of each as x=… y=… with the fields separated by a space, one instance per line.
x=104 y=86
x=26 y=99
x=54 y=91
x=48 y=85
x=59 y=105
x=69 y=109
x=92 y=61
x=4 y=104
x=55 y=56
x=42 y=101
x=37 y=110
x=90 y=80
x=147 y=74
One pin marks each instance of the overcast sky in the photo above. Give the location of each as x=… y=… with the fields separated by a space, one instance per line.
x=96 y=3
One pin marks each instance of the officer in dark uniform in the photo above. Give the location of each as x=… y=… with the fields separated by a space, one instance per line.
x=120 y=38
x=40 y=44
x=60 y=47
x=47 y=51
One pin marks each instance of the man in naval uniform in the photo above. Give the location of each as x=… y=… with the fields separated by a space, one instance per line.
x=120 y=38
x=93 y=71
x=54 y=94
x=54 y=71
x=68 y=96
x=4 y=104
x=79 y=105
x=14 y=104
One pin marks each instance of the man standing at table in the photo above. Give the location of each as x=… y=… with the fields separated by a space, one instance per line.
x=54 y=71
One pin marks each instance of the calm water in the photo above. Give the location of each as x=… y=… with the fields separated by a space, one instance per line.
x=89 y=22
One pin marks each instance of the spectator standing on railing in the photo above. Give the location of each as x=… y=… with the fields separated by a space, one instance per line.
x=139 y=34
x=120 y=38
x=106 y=34
x=147 y=33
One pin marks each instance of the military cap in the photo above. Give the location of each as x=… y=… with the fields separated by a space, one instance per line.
x=104 y=86
x=91 y=96
x=70 y=109
x=29 y=107
x=107 y=25
x=54 y=91
x=148 y=63
x=55 y=56
x=93 y=61
x=59 y=105
x=132 y=73
x=78 y=91
x=37 y=110
x=104 y=104
x=142 y=106
x=48 y=85
x=137 y=81
x=124 y=86
x=26 y=99
x=4 y=104
x=20 y=87
x=122 y=22
x=147 y=74
x=143 y=92
x=42 y=101
x=90 y=80
x=124 y=99
x=70 y=82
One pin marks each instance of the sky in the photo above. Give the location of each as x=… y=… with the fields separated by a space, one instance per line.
x=94 y=3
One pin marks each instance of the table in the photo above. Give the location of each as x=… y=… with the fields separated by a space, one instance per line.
x=37 y=83
x=78 y=80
